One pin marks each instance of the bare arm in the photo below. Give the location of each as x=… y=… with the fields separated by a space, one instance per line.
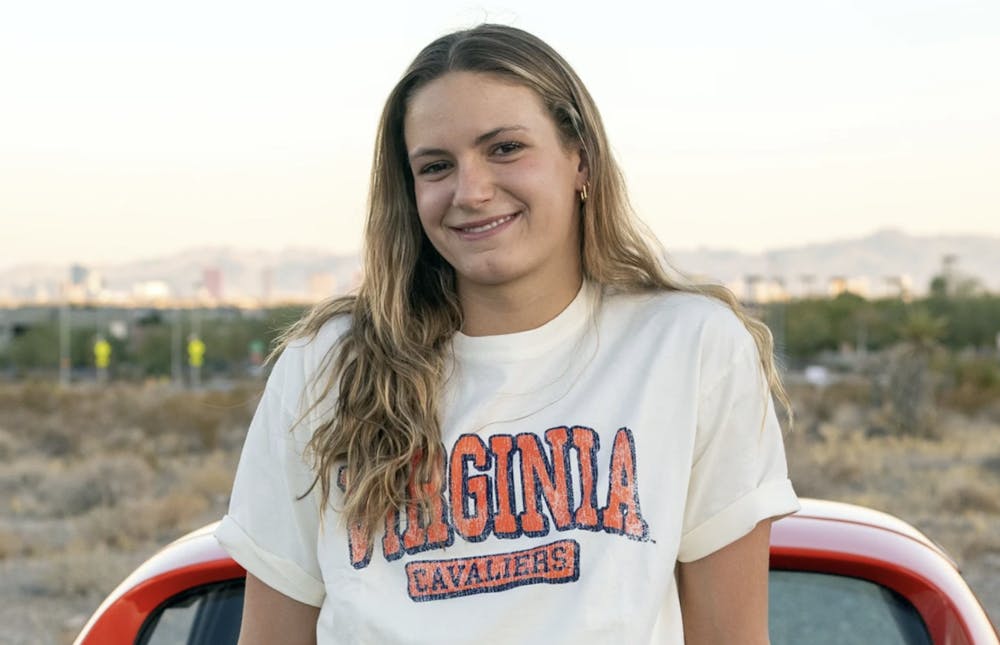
x=270 y=616
x=724 y=595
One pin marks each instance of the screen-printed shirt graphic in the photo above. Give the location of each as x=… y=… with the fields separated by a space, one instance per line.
x=511 y=486
x=581 y=461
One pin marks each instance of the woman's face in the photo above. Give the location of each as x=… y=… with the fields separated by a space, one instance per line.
x=496 y=188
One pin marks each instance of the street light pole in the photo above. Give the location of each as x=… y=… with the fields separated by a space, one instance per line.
x=64 y=355
x=176 y=372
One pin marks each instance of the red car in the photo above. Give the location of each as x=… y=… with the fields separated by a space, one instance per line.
x=839 y=574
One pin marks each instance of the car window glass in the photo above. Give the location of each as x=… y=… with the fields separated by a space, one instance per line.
x=804 y=607
x=174 y=623
x=206 y=615
x=825 y=609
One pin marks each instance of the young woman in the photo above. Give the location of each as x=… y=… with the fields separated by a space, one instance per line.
x=520 y=430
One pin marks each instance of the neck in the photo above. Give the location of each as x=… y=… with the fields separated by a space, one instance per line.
x=490 y=310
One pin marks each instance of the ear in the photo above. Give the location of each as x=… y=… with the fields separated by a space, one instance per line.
x=582 y=169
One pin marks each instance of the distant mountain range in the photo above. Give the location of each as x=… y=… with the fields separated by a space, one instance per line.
x=881 y=255
x=301 y=273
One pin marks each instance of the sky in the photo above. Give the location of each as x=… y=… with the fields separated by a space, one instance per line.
x=136 y=129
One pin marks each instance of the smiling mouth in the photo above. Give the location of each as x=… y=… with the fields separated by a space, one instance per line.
x=482 y=228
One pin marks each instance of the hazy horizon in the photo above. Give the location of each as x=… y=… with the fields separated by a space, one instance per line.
x=135 y=131
x=319 y=248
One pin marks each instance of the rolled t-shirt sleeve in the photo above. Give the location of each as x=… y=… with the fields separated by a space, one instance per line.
x=739 y=476
x=272 y=525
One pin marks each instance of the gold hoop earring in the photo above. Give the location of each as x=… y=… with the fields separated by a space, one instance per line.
x=583 y=193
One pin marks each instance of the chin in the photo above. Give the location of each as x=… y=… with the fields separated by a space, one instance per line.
x=489 y=279
x=491 y=274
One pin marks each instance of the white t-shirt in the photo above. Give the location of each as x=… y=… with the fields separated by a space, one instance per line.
x=585 y=458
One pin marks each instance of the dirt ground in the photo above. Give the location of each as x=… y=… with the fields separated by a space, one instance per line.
x=93 y=481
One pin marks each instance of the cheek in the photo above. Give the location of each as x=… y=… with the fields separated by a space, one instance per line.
x=554 y=184
x=431 y=204
x=550 y=178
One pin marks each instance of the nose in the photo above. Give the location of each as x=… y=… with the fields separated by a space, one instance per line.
x=474 y=185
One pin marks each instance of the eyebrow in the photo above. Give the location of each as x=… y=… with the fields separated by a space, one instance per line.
x=486 y=136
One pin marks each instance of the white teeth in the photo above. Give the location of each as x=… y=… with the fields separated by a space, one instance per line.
x=486 y=227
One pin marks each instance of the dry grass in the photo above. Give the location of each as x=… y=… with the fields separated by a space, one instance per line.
x=92 y=481
x=12 y=545
x=947 y=484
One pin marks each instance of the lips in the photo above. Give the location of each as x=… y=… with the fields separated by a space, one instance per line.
x=484 y=227
x=480 y=228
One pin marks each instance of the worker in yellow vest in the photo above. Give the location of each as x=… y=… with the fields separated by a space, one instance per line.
x=102 y=358
x=196 y=357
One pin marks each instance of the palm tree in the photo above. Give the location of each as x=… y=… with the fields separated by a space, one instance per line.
x=911 y=383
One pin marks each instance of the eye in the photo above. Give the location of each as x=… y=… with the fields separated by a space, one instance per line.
x=433 y=168
x=507 y=148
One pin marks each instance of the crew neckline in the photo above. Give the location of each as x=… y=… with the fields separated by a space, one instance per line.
x=531 y=342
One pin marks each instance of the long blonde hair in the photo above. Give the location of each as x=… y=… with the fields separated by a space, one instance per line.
x=388 y=368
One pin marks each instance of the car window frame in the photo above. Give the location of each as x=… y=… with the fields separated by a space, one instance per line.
x=200 y=622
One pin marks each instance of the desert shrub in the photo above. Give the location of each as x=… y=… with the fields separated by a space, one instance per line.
x=196 y=421
x=185 y=416
x=856 y=391
x=10 y=397
x=845 y=472
x=52 y=420
x=18 y=480
x=985 y=544
x=973 y=384
x=971 y=497
x=62 y=422
x=53 y=438
x=90 y=410
x=72 y=490
x=8 y=445
x=175 y=512
x=829 y=463
x=127 y=439
x=991 y=464
x=159 y=519
x=38 y=396
x=213 y=476
x=125 y=526
x=85 y=571
x=12 y=545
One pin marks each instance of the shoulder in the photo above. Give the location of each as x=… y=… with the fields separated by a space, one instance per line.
x=698 y=331
x=311 y=349
x=695 y=317
x=305 y=360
